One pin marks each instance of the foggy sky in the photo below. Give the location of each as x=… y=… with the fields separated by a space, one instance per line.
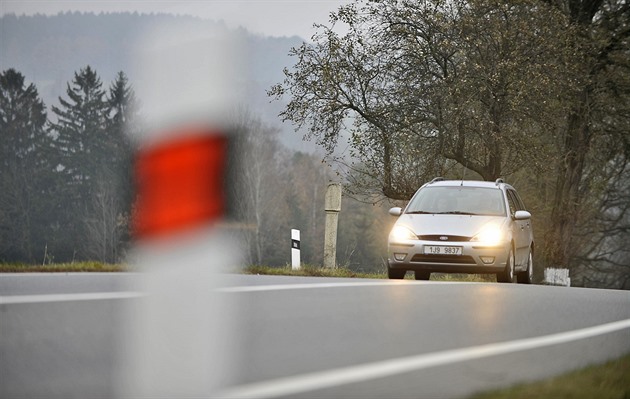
x=267 y=17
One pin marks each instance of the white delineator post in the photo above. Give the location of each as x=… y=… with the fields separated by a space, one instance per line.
x=332 y=206
x=295 y=249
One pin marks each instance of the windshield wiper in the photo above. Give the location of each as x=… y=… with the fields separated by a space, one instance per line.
x=456 y=213
x=419 y=213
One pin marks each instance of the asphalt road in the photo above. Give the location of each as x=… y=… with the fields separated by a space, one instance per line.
x=318 y=337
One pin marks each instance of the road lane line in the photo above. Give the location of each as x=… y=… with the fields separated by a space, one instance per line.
x=92 y=296
x=280 y=287
x=43 y=298
x=369 y=371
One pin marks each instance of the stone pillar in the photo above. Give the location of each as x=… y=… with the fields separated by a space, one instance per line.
x=332 y=206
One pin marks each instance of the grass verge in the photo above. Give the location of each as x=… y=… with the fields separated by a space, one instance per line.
x=309 y=271
x=316 y=271
x=62 y=267
x=607 y=381
x=305 y=270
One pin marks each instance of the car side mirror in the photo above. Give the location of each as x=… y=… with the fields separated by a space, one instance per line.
x=395 y=211
x=522 y=215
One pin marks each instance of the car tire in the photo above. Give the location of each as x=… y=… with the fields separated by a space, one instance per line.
x=507 y=275
x=422 y=275
x=396 y=274
x=527 y=276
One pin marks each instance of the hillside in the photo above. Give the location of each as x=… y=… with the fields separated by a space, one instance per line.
x=49 y=49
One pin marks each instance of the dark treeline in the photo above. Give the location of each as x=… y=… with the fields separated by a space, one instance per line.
x=66 y=191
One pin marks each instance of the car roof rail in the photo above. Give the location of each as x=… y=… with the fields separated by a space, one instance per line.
x=436 y=180
x=499 y=181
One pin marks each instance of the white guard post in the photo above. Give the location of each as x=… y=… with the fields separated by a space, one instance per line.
x=295 y=249
x=555 y=276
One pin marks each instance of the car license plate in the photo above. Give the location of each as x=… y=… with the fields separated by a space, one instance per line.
x=442 y=250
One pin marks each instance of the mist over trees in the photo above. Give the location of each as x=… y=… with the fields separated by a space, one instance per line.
x=48 y=49
x=534 y=91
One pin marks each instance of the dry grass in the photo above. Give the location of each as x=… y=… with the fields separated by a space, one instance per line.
x=608 y=381
x=62 y=267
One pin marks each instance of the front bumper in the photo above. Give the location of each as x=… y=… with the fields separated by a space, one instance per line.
x=475 y=257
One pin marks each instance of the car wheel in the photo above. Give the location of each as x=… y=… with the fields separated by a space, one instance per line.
x=422 y=275
x=397 y=274
x=507 y=276
x=527 y=276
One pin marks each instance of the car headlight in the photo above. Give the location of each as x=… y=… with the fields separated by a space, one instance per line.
x=489 y=234
x=401 y=233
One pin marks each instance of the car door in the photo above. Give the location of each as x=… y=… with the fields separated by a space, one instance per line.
x=521 y=230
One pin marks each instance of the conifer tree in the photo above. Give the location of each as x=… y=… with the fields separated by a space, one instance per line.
x=81 y=142
x=25 y=169
x=81 y=130
x=123 y=114
x=107 y=223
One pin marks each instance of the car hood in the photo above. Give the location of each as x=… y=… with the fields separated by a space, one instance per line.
x=448 y=225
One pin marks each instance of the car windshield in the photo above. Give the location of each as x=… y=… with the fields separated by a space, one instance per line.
x=458 y=200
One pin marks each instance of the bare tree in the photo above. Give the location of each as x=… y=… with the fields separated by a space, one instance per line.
x=424 y=83
x=255 y=182
x=105 y=222
x=597 y=118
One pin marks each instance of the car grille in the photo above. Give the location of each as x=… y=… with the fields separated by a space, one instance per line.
x=464 y=259
x=439 y=238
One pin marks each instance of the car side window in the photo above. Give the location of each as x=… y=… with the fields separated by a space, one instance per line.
x=512 y=202
x=519 y=202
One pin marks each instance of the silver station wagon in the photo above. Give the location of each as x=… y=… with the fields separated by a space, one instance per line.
x=463 y=226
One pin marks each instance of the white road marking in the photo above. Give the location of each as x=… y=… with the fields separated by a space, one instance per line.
x=280 y=287
x=369 y=371
x=92 y=296
x=43 y=298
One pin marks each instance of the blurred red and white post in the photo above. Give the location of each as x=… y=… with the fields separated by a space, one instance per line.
x=176 y=340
